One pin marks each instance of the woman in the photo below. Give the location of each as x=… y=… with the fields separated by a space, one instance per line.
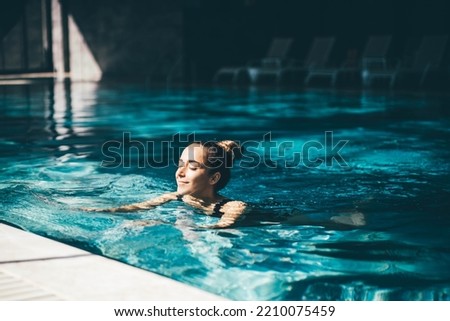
x=203 y=170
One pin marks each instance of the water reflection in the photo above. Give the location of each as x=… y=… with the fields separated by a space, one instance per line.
x=398 y=177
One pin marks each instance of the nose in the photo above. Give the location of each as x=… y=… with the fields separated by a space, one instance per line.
x=180 y=171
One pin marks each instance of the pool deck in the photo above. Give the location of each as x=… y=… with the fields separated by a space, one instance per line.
x=36 y=268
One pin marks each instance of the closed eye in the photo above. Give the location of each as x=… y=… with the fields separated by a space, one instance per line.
x=193 y=165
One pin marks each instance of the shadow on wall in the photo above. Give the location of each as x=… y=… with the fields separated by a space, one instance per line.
x=9 y=14
x=138 y=39
x=22 y=45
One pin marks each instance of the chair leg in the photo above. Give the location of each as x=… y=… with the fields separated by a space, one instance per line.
x=365 y=79
x=278 y=78
x=424 y=75
x=392 y=82
x=307 y=78
x=235 y=76
x=334 y=78
x=253 y=75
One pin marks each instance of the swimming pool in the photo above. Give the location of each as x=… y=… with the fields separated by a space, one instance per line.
x=395 y=172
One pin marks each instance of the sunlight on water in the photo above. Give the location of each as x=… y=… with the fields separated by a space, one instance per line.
x=395 y=179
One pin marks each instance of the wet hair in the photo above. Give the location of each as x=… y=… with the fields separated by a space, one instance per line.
x=220 y=157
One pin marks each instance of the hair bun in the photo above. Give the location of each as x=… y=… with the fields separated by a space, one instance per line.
x=230 y=146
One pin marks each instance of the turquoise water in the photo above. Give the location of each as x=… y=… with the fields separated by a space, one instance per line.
x=397 y=176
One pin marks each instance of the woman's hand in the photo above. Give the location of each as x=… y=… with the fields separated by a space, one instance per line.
x=233 y=212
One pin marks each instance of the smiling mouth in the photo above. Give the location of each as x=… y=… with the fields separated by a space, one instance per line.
x=181 y=182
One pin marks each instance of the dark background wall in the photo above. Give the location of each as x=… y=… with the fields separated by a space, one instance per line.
x=191 y=39
x=22 y=31
x=225 y=32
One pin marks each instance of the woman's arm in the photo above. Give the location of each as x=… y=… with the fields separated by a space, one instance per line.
x=233 y=212
x=138 y=206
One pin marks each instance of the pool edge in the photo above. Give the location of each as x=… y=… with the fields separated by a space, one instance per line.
x=34 y=265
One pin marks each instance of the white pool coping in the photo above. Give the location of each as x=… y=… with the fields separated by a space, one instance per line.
x=33 y=267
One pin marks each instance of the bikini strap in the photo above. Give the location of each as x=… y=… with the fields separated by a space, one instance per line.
x=179 y=197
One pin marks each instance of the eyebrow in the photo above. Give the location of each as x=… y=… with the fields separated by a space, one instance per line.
x=191 y=161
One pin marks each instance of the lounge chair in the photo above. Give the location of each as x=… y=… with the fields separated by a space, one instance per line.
x=426 y=61
x=374 y=54
x=317 y=58
x=271 y=64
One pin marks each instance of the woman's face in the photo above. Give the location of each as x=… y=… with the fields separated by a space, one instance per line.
x=192 y=175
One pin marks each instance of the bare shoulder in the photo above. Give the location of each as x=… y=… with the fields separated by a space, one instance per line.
x=161 y=199
x=233 y=211
x=234 y=206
